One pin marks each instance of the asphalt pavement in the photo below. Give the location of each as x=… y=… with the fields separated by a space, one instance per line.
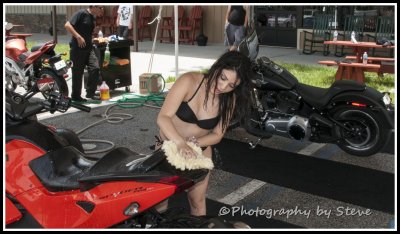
x=281 y=184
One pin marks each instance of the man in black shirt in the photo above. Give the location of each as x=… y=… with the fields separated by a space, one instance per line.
x=81 y=26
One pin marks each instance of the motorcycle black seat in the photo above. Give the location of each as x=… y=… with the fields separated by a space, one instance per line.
x=60 y=169
x=36 y=47
x=22 y=57
x=117 y=160
x=122 y=164
x=319 y=97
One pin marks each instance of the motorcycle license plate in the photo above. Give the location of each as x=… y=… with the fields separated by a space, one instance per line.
x=60 y=64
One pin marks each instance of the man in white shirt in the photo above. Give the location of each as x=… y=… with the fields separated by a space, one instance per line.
x=124 y=20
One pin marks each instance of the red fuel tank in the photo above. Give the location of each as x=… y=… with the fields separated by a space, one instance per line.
x=15 y=47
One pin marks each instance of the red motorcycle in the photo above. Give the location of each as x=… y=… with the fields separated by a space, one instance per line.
x=40 y=66
x=50 y=182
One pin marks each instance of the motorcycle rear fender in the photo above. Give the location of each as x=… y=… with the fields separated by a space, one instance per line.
x=43 y=50
x=12 y=212
x=370 y=97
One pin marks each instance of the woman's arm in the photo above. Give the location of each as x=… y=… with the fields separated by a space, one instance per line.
x=227 y=14
x=212 y=138
x=171 y=104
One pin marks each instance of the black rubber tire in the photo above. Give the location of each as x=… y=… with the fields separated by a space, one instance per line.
x=206 y=222
x=59 y=85
x=369 y=136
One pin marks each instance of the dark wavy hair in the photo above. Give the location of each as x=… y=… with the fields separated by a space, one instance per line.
x=235 y=103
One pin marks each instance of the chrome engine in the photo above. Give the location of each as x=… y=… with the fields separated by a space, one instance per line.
x=295 y=127
x=15 y=75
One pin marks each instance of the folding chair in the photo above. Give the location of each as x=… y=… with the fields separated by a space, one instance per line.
x=384 y=29
x=106 y=23
x=321 y=32
x=145 y=16
x=168 y=24
x=187 y=31
x=354 y=24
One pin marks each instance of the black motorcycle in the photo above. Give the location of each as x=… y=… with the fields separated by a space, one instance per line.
x=357 y=118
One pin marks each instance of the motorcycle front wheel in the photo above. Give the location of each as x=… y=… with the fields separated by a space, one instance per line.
x=49 y=82
x=206 y=222
x=365 y=134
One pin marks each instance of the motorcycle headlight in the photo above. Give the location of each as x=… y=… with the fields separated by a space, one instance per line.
x=386 y=99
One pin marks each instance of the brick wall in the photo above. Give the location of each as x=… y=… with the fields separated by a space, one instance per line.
x=36 y=23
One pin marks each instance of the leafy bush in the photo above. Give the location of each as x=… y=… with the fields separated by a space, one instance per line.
x=170 y=79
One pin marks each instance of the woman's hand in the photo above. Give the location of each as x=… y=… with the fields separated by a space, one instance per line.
x=193 y=140
x=185 y=150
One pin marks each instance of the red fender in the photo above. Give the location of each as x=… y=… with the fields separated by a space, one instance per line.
x=12 y=212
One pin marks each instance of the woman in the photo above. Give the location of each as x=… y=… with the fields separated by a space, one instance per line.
x=198 y=108
x=235 y=25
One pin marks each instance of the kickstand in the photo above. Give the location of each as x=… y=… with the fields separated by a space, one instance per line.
x=253 y=145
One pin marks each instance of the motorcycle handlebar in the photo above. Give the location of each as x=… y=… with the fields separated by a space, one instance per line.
x=81 y=107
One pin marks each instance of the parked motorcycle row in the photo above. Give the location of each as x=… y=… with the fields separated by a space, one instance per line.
x=51 y=183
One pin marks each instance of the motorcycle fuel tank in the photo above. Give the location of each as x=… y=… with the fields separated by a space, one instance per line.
x=15 y=47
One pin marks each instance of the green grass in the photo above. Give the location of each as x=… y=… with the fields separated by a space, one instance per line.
x=170 y=79
x=323 y=77
x=60 y=48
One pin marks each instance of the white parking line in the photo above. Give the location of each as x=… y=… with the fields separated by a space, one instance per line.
x=242 y=192
x=310 y=149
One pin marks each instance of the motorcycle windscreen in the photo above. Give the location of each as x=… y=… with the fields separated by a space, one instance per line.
x=249 y=46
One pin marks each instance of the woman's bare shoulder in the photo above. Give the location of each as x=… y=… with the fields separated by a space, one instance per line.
x=190 y=78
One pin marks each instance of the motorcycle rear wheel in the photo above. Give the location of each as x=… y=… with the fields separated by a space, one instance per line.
x=56 y=83
x=368 y=136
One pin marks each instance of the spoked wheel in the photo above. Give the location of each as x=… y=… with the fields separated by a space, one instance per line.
x=49 y=82
x=364 y=135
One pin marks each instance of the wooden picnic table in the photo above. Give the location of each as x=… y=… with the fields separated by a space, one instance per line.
x=354 y=70
x=358 y=48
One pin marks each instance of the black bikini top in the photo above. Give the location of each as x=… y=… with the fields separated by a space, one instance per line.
x=186 y=114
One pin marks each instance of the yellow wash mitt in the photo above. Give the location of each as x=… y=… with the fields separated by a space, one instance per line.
x=177 y=160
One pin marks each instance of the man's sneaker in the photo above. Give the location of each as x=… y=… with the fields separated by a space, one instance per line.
x=94 y=97
x=79 y=99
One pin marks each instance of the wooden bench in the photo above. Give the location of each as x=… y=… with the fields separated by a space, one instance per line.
x=387 y=64
x=353 y=71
